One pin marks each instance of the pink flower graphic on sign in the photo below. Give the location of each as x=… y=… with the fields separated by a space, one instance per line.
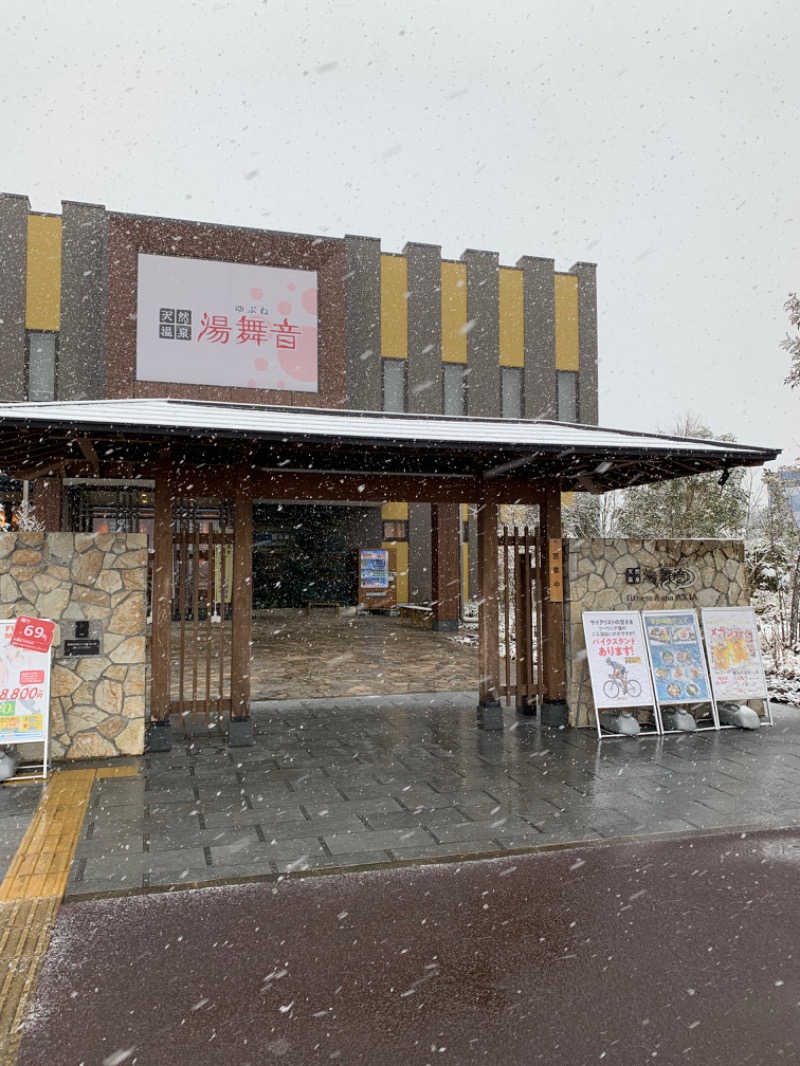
x=300 y=363
x=309 y=301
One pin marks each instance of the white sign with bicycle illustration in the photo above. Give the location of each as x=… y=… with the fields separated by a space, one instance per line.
x=618 y=665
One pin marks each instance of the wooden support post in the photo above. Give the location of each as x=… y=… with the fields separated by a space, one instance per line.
x=241 y=728
x=158 y=736
x=445 y=566
x=46 y=502
x=490 y=712
x=553 y=655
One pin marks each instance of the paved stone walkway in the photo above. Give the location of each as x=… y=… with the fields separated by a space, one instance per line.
x=363 y=782
x=300 y=656
x=17 y=806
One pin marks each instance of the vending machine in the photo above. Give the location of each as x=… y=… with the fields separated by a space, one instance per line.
x=377 y=579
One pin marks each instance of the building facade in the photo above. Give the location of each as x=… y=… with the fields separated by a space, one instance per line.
x=393 y=332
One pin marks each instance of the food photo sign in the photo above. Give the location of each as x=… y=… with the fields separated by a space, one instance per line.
x=734 y=654
x=675 y=647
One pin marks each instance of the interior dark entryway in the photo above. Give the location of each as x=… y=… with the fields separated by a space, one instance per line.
x=308 y=553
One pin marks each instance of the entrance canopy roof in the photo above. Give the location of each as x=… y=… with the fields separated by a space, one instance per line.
x=105 y=438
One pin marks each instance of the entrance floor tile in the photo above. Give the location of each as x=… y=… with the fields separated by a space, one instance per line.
x=407 y=778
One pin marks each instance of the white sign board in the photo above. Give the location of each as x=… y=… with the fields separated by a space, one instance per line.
x=202 y=322
x=618 y=664
x=734 y=653
x=24 y=692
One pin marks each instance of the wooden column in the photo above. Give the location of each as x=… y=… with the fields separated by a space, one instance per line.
x=445 y=566
x=490 y=713
x=46 y=502
x=241 y=634
x=161 y=602
x=552 y=650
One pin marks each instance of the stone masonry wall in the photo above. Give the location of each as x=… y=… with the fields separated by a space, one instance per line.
x=637 y=575
x=97 y=704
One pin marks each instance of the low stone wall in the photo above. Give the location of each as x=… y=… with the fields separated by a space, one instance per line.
x=97 y=703
x=642 y=575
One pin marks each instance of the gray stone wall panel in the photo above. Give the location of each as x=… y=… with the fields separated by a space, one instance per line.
x=363 y=323
x=541 y=399
x=13 y=271
x=424 y=328
x=84 y=294
x=587 y=331
x=419 y=552
x=483 y=338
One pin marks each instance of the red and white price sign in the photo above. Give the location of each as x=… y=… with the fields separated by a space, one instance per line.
x=34 y=634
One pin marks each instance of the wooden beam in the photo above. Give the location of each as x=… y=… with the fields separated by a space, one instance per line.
x=488 y=616
x=46 y=501
x=552 y=650
x=241 y=630
x=354 y=488
x=445 y=565
x=87 y=451
x=45 y=468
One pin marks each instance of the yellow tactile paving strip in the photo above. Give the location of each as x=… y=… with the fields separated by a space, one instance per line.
x=32 y=891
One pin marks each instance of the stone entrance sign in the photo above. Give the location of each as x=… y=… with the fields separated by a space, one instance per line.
x=640 y=575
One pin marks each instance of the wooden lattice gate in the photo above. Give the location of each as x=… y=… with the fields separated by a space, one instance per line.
x=520 y=620
x=202 y=611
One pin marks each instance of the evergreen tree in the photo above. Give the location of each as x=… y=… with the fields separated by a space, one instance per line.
x=692 y=507
x=791 y=344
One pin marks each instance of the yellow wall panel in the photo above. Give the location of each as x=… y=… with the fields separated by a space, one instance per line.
x=394 y=307
x=512 y=317
x=398 y=512
x=394 y=512
x=401 y=549
x=43 y=293
x=454 y=312
x=567 y=338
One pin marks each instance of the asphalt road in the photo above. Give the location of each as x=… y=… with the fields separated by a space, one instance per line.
x=659 y=952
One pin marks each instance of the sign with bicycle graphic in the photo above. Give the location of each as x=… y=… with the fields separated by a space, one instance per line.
x=617 y=655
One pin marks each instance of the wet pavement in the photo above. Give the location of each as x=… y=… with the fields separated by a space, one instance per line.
x=356 y=783
x=18 y=804
x=654 y=951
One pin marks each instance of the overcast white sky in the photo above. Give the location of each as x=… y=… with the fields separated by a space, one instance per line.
x=658 y=140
